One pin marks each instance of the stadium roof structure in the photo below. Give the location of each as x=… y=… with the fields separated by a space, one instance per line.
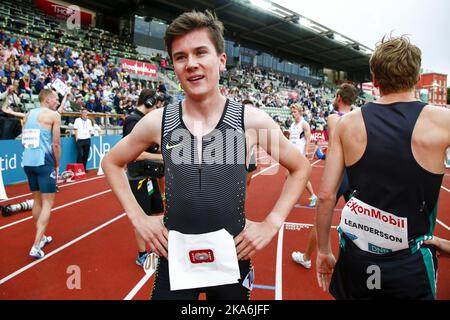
x=263 y=26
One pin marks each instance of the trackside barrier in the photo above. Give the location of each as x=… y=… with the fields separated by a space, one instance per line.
x=11 y=156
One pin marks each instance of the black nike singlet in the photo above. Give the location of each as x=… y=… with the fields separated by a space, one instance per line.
x=207 y=196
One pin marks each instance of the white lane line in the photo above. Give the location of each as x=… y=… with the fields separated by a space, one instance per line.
x=28 y=266
x=57 y=208
x=138 y=287
x=277 y=164
x=299 y=206
x=81 y=181
x=266 y=169
x=445 y=188
x=62 y=186
x=298 y=226
x=279 y=267
x=314 y=163
x=443 y=224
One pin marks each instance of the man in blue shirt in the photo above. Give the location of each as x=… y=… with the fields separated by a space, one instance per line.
x=41 y=140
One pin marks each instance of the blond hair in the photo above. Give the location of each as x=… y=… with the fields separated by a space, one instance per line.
x=297 y=107
x=44 y=94
x=395 y=64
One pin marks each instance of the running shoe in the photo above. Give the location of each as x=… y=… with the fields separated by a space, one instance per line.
x=141 y=260
x=312 y=201
x=44 y=241
x=36 y=252
x=299 y=258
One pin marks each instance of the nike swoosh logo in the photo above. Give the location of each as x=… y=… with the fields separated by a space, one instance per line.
x=168 y=147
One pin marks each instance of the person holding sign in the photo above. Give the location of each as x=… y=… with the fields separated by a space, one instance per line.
x=393 y=152
x=41 y=156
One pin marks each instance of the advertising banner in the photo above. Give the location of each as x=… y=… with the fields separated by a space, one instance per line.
x=139 y=68
x=61 y=11
x=11 y=155
x=319 y=135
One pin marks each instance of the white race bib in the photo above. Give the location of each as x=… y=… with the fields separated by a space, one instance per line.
x=31 y=138
x=373 y=230
x=202 y=260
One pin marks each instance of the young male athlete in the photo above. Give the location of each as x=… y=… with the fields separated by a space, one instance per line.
x=41 y=140
x=299 y=135
x=204 y=140
x=393 y=152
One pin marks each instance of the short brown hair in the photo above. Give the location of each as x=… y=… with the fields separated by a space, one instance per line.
x=193 y=20
x=145 y=95
x=44 y=94
x=348 y=93
x=396 y=64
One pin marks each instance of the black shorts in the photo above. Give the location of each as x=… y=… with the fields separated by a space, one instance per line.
x=161 y=286
x=401 y=275
x=152 y=204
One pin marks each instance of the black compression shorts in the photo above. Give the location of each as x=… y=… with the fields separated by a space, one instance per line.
x=400 y=275
x=152 y=204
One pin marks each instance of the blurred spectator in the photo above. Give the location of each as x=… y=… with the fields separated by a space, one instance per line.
x=3 y=84
x=39 y=84
x=25 y=84
x=90 y=105
x=24 y=67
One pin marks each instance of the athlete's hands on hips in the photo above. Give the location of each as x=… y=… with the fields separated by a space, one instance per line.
x=325 y=266
x=254 y=237
x=442 y=245
x=154 y=233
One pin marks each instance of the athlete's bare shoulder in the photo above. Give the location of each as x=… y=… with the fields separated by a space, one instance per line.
x=55 y=114
x=333 y=116
x=352 y=118
x=435 y=122
x=149 y=127
x=154 y=117
x=438 y=116
x=256 y=118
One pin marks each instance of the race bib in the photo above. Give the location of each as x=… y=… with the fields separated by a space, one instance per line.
x=202 y=260
x=31 y=138
x=373 y=230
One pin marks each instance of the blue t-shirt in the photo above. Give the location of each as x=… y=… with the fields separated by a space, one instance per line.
x=38 y=142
